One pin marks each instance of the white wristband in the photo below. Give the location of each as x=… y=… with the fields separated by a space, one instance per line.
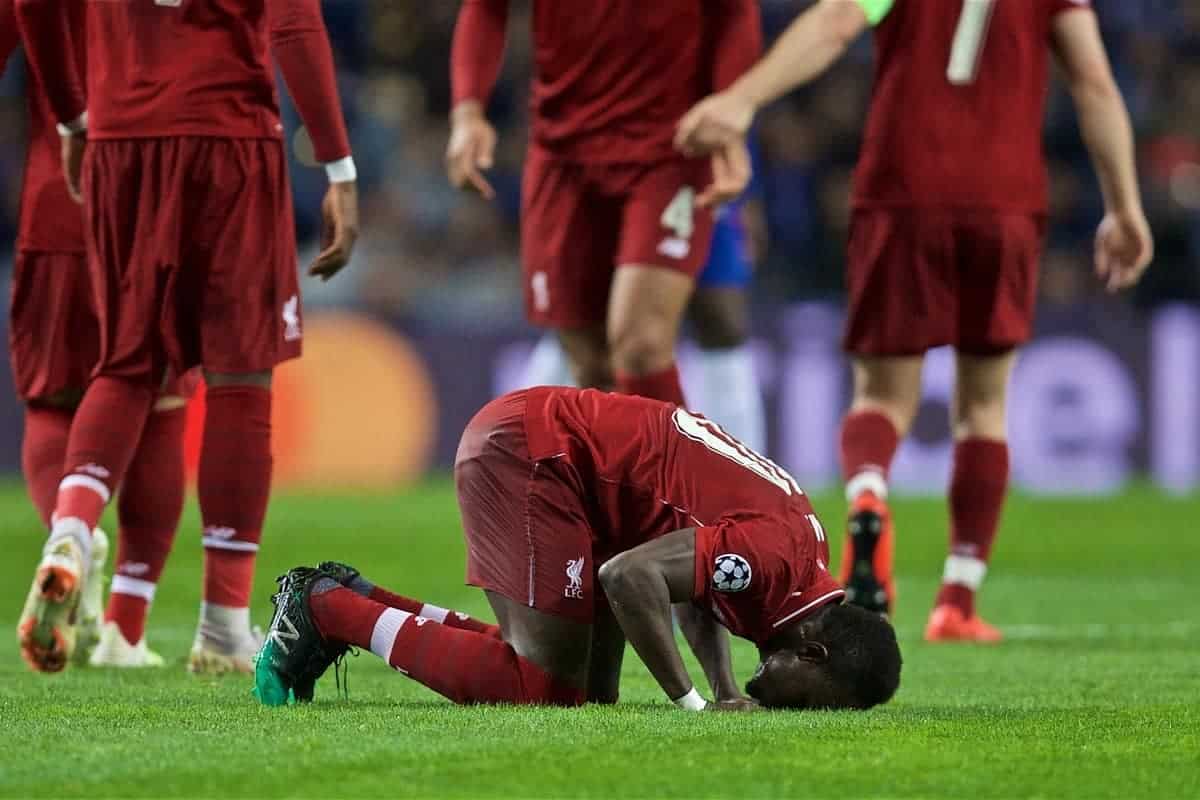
x=692 y=701
x=342 y=170
x=77 y=125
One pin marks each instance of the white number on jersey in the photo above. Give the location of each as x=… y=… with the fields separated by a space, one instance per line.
x=168 y=3
x=714 y=437
x=679 y=215
x=969 y=39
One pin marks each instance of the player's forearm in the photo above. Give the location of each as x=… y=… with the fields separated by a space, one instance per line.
x=710 y=643
x=1108 y=135
x=735 y=32
x=477 y=52
x=300 y=44
x=806 y=49
x=641 y=601
x=46 y=32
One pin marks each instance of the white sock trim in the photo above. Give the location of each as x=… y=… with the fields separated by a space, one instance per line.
x=217 y=543
x=134 y=587
x=868 y=480
x=71 y=528
x=964 y=571
x=86 y=482
x=435 y=613
x=387 y=628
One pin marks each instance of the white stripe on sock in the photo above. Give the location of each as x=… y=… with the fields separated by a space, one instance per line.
x=86 y=482
x=135 y=587
x=229 y=544
x=435 y=613
x=964 y=571
x=867 y=481
x=388 y=626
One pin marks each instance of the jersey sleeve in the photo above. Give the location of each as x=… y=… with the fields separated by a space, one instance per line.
x=876 y=10
x=9 y=36
x=45 y=28
x=477 y=52
x=300 y=44
x=740 y=576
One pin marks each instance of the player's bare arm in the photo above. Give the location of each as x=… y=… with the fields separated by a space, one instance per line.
x=709 y=641
x=475 y=60
x=1124 y=246
x=300 y=44
x=641 y=584
x=805 y=50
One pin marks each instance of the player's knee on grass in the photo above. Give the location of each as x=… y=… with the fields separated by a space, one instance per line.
x=719 y=318
x=844 y=657
x=261 y=379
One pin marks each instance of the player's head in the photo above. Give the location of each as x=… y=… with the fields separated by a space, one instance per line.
x=841 y=657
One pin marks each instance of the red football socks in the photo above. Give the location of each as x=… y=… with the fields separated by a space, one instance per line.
x=662 y=385
x=452 y=619
x=148 y=510
x=977 y=491
x=869 y=443
x=234 y=486
x=462 y=665
x=42 y=453
x=104 y=436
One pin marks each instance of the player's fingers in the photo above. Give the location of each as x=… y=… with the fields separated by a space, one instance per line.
x=481 y=185
x=485 y=155
x=686 y=130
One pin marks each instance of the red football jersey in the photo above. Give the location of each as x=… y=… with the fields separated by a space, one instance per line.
x=646 y=469
x=50 y=220
x=612 y=79
x=957 y=112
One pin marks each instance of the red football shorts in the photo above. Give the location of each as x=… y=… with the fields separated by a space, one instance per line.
x=921 y=279
x=193 y=255
x=528 y=537
x=579 y=222
x=53 y=331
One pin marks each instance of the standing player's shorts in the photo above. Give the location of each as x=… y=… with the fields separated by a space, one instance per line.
x=528 y=536
x=728 y=265
x=919 y=279
x=579 y=222
x=193 y=255
x=54 y=335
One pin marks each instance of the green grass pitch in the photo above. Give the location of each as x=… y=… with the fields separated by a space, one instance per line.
x=1096 y=693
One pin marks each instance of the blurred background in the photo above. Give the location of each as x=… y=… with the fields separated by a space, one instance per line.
x=428 y=323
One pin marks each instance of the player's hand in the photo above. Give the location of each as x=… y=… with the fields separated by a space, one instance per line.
x=73 y=148
x=339 y=230
x=731 y=173
x=471 y=150
x=738 y=704
x=1124 y=249
x=714 y=123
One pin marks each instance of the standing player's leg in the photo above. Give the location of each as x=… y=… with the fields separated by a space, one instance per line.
x=233 y=487
x=548 y=365
x=665 y=241
x=887 y=394
x=901 y=301
x=725 y=387
x=149 y=506
x=43 y=450
x=977 y=489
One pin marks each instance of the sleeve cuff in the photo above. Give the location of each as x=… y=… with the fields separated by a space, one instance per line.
x=342 y=170
x=77 y=125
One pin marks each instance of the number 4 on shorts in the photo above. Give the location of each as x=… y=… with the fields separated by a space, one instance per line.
x=679 y=215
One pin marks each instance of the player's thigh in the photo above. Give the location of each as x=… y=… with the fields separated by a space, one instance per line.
x=890 y=385
x=53 y=330
x=135 y=191
x=901 y=283
x=645 y=312
x=569 y=235
x=240 y=261
x=559 y=646
x=999 y=255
